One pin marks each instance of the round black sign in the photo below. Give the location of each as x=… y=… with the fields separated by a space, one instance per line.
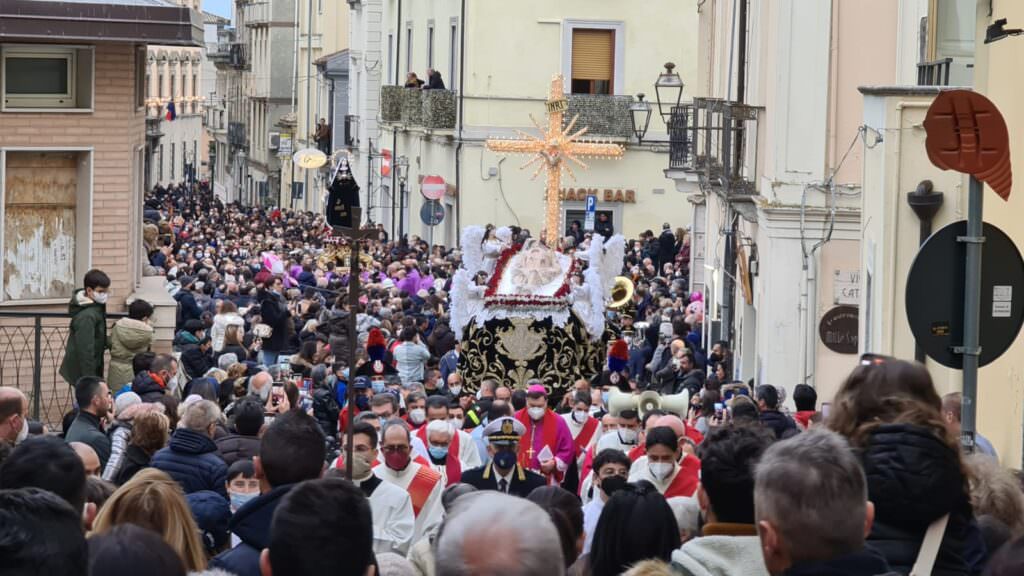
x=935 y=294
x=432 y=213
x=838 y=329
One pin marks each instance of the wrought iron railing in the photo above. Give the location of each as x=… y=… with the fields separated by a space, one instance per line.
x=32 y=346
x=934 y=73
x=680 y=153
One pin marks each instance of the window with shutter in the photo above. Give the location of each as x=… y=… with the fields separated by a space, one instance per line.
x=593 y=61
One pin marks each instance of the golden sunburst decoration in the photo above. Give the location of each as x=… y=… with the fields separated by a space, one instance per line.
x=550 y=151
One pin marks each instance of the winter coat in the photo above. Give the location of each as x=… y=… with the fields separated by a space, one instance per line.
x=605 y=229
x=135 y=459
x=128 y=337
x=448 y=365
x=914 y=478
x=234 y=447
x=188 y=308
x=865 y=562
x=191 y=459
x=720 y=556
x=251 y=523
x=195 y=361
x=782 y=425
x=87 y=339
x=441 y=340
x=241 y=354
x=86 y=429
x=666 y=249
x=275 y=314
x=147 y=387
x=184 y=338
x=120 y=436
x=220 y=327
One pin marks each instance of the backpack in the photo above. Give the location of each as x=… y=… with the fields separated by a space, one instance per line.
x=326 y=409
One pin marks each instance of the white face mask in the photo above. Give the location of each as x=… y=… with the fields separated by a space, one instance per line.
x=417 y=416
x=580 y=416
x=172 y=384
x=661 y=470
x=536 y=412
x=23 y=433
x=456 y=390
x=627 y=435
x=457 y=423
x=100 y=298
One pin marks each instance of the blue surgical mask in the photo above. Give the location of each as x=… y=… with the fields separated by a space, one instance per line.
x=438 y=452
x=604 y=398
x=238 y=499
x=378 y=386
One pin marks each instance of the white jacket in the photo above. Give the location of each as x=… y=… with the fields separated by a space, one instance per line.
x=220 y=327
x=720 y=556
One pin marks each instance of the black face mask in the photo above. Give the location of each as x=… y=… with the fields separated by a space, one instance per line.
x=505 y=459
x=613 y=484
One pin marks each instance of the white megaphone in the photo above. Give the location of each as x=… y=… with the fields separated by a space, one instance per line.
x=677 y=404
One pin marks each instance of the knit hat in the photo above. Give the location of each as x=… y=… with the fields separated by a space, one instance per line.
x=212 y=514
x=376 y=346
x=124 y=400
x=618 y=356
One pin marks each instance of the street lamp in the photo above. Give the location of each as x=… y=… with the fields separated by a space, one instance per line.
x=640 y=117
x=402 y=171
x=669 y=91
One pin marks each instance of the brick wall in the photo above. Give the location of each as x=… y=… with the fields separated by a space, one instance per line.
x=114 y=129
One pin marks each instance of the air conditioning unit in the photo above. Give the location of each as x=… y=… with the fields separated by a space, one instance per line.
x=274 y=141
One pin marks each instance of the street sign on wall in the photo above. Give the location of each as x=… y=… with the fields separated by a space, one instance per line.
x=433 y=187
x=432 y=213
x=588 y=224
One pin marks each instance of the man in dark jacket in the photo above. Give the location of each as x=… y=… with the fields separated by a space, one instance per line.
x=87 y=335
x=188 y=308
x=666 y=247
x=813 y=521
x=274 y=312
x=191 y=456
x=291 y=450
x=160 y=379
x=95 y=404
x=504 y=473
x=244 y=443
x=603 y=226
x=768 y=404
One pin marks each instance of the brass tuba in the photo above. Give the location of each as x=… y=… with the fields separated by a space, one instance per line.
x=622 y=293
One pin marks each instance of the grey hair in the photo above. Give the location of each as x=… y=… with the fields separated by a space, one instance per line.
x=395 y=423
x=227 y=360
x=200 y=415
x=465 y=545
x=813 y=490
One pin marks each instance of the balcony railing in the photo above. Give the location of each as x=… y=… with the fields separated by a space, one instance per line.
x=710 y=138
x=602 y=114
x=935 y=73
x=431 y=109
x=257 y=13
x=237 y=135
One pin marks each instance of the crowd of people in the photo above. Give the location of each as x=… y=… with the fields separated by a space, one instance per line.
x=227 y=455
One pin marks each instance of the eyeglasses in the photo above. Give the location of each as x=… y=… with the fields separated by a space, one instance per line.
x=399 y=449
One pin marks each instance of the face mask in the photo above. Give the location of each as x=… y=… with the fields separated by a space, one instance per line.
x=100 y=298
x=536 y=412
x=456 y=390
x=613 y=484
x=238 y=499
x=383 y=420
x=661 y=470
x=457 y=423
x=377 y=386
x=438 y=452
x=362 y=403
x=417 y=416
x=360 y=466
x=579 y=416
x=397 y=461
x=23 y=433
x=604 y=398
x=505 y=459
x=627 y=435
x=172 y=384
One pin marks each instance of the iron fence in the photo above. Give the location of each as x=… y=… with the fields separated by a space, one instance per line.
x=32 y=348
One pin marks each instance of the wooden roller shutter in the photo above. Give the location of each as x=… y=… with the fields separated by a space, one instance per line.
x=593 y=54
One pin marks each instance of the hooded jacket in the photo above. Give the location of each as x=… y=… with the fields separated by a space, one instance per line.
x=87 y=339
x=147 y=387
x=251 y=523
x=914 y=478
x=128 y=337
x=720 y=556
x=191 y=459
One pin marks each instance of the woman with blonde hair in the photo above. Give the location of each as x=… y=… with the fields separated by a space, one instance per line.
x=890 y=412
x=151 y=499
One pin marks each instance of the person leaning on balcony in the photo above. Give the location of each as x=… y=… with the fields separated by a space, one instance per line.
x=87 y=337
x=434 y=81
x=413 y=81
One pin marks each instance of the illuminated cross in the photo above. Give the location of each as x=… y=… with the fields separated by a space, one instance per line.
x=551 y=149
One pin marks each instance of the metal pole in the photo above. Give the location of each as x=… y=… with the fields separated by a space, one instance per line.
x=309 y=92
x=972 y=312
x=37 y=368
x=401 y=208
x=353 y=308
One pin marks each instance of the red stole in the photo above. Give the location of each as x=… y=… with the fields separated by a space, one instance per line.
x=582 y=439
x=526 y=451
x=452 y=465
x=421 y=486
x=343 y=418
x=686 y=480
x=636 y=452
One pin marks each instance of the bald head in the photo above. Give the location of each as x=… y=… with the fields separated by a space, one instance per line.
x=673 y=422
x=88 y=456
x=609 y=422
x=13 y=411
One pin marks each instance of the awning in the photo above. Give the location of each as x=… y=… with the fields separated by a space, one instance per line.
x=129 y=21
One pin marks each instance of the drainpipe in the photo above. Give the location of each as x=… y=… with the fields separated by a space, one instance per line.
x=925 y=202
x=462 y=107
x=394 y=131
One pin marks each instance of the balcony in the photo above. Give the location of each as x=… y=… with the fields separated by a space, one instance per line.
x=712 y=138
x=604 y=115
x=153 y=133
x=430 y=109
x=391 y=103
x=438 y=110
x=256 y=14
x=411 y=106
x=237 y=136
x=935 y=73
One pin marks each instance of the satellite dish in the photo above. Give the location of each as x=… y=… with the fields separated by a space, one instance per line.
x=309 y=158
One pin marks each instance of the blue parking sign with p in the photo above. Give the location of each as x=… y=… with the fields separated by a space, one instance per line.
x=591 y=203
